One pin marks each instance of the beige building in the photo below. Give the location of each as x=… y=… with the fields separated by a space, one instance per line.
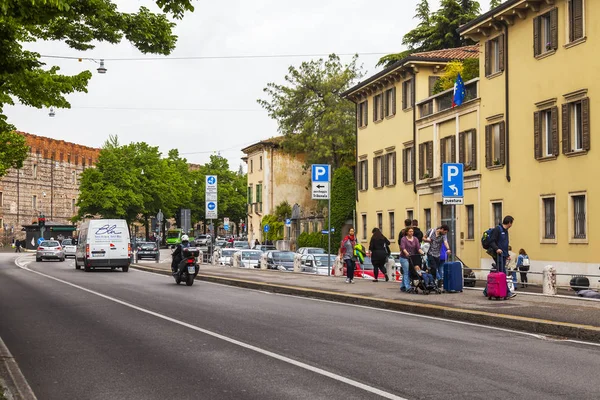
x=275 y=177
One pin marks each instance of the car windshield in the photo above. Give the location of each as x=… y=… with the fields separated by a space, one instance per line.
x=241 y=245
x=322 y=259
x=67 y=242
x=316 y=251
x=251 y=255
x=148 y=246
x=227 y=253
x=283 y=256
x=49 y=243
x=173 y=235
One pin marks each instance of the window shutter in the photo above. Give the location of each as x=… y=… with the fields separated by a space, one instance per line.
x=488 y=64
x=442 y=153
x=537 y=137
x=473 y=150
x=461 y=147
x=566 y=129
x=554 y=28
x=452 y=148
x=366 y=175
x=359 y=175
x=366 y=117
x=381 y=107
x=358 y=110
x=502 y=143
x=421 y=160
x=501 y=52
x=432 y=81
x=375 y=183
x=386 y=173
x=413 y=163
x=488 y=146
x=554 y=116
x=430 y=158
x=576 y=30
x=374 y=108
x=404 y=105
x=585 y=122
x=394 y=100
x=405 y=165
x=393 y=168
x=536 y=36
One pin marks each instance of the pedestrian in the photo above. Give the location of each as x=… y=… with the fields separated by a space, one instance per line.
x=407 y=224
x=523 y=263
x=418 y=232
x=438 y=249
x=380 y=252
x=17 y=246
x=346 y=253
x=498 y=248
x=511 y=267
x=409 y=246
x=256 y=244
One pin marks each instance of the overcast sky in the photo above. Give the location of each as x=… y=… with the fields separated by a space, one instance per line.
x=206 y=106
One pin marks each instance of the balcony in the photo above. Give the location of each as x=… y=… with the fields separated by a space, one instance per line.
x=443 y=101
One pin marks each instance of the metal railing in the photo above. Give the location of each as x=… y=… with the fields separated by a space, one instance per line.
x=443 y=100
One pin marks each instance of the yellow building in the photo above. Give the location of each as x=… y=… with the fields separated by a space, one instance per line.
x=274 y=177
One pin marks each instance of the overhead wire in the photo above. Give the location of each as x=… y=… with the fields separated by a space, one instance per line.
x=232 y=57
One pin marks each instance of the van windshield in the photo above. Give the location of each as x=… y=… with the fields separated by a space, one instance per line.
x=173 y=235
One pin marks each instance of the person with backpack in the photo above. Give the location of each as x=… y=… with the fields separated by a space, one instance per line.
x=380 y=251
x=347 y=255
x=418 y=232
x=495 y=242
x=523 y=264
x=438 y=248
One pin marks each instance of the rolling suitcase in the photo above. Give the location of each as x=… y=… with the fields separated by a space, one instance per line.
x=453 y=279
x=497 y=285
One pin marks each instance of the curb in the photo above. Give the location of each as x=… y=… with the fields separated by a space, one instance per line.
x=11 y=378
x=527 y=324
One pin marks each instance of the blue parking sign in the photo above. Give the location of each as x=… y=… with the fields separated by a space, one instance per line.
x=453 y=180
x=320 y=172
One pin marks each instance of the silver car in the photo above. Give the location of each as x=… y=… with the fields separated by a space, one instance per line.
x=50 y=249
x=69 y=248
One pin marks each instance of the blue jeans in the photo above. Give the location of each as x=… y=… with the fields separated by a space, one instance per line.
x=405 y=276
x=435 y=264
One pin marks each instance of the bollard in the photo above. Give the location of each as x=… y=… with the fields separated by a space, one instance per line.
x=549 y=282
x=338 y=269
x=215 y=257
x=297 y=263
x=263 y=261
x=389 y=265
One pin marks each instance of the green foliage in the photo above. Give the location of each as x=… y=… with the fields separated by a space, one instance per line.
x=436 y=30
x=276 y=227
x=13 y=151
x=468 y=69
x=311 y=115
x=283 y=210
x=314 y=239
x=343 y=202
x=495 y=3
x=80 y=24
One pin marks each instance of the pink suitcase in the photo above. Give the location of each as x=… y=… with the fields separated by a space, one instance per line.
x=496 y=285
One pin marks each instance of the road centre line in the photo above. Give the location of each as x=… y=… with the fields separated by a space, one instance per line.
x=267 y=353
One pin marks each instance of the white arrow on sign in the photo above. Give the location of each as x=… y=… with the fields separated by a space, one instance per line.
x=454 y=189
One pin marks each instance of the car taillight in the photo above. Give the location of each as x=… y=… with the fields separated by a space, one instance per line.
x=129 y=249
x=87 y=250
x=59 y=248
x=40 y=248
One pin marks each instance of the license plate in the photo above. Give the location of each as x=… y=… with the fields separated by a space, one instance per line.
x=191 y=270
x=97 y=254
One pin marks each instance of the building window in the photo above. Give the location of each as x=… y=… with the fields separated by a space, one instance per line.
x=497 y=213
x=545 y=32
x=579 y=217
x=378 y=107
x=363 y=175
x=35 y=170
x=1 y=200
x=380 y=221
x=549 y=210
x=494 y=56
x=433 y=80
x=407 y=165
x=362 y=114
x=251 y=166
x=426 y=160
x=545 y=127
x=73 y=175
x=576 y=15
x=467 y=150
x=407 y=94
x=378 y=172
x=447 y=151
x=427 y=219
x=390 y=169
x=410 y=214
x=259 y=193
x=390 y=102
x=364 y=226
x=34 y=202
x=495 y=145
x=250 y=191
x=470 y=222
x=260 y=165
x=392 y=225
x=576 y=126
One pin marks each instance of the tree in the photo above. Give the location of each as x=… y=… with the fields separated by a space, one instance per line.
x=311 y=115
x=283 y=210
x=437 y=30
x=343 y=202
x=468 y=69
x=495 y=3
x=275 y=227
x=13 y=151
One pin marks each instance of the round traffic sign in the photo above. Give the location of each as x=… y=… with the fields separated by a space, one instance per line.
x=267 y=228
x=211 y=180
x=211 y=205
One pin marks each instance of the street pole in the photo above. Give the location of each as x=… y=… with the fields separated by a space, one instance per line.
x=329 y=234
x=453 y=227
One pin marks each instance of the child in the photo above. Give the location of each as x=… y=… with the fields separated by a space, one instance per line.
x=427 y=277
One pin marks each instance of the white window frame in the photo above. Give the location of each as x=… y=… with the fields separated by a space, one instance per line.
x=362 y=113
x=407 y=92
x=546 y=133
x=388 y=102
x=364 y=176
x=571 y=209
x=468 y=150
x=543 y=238
x=410 y=153
x=576 y=126
x=545 y=32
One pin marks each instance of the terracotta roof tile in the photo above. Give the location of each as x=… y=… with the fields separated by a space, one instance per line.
x=459 y=53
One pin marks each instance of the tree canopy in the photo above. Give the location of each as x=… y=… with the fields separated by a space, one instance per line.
x=311 y=115
x=436 y=30
x=468 y=69
x=13 y=151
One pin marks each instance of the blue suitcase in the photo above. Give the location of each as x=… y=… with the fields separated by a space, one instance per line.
x=453 y=279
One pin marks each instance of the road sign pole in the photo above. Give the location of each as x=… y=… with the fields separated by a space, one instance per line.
x=329 y=236
x=453 y=227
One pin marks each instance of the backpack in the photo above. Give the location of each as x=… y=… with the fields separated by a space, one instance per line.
x=486 y=238
x=525 y=261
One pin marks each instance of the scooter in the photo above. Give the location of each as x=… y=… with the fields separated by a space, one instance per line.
x=188 y=267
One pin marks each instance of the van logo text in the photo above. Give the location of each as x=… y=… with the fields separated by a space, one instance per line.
x=108 y=230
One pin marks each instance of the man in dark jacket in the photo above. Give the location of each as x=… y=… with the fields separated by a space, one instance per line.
x=417 y=232
x=407 y=224
x=499 y=246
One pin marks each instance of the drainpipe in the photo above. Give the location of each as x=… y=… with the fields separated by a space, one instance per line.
x=506 y=102
x=413 y=160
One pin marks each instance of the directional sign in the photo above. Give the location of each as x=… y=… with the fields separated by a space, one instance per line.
x=320 y=190
x=226 y=223
x=211 y=180
x=211 y=210
x=160 y=216
x=211 y=197
x=320 y=173
x=453 y=183
x=266 y=228
x=288 y=223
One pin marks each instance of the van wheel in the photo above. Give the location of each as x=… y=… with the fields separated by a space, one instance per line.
x=125 y=268
x=77 y=266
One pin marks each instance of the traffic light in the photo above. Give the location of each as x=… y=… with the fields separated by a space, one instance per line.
x=41 y=221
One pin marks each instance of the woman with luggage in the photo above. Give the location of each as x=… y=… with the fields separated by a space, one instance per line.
x=409 y=246
x=523 y=266
x=380 y=251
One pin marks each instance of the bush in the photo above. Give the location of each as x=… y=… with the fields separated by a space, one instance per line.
x=314 y=239
x=343 y=202
x=275 y=227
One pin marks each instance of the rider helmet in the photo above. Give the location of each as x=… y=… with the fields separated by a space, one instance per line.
x=185 y=238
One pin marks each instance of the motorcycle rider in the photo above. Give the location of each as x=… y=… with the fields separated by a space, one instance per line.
x=178 y=253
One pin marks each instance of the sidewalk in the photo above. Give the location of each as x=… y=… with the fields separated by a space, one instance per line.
x=556 y=316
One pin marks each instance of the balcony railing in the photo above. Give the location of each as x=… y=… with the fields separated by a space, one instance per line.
x=443 y=101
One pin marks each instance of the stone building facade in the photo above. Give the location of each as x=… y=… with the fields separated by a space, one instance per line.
x=47 y=184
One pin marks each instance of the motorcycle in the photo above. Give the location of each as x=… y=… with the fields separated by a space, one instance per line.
x=188 y=267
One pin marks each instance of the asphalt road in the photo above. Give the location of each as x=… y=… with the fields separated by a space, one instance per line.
x=136 y=335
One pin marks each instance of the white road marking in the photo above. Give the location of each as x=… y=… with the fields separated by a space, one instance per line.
x=267 y=353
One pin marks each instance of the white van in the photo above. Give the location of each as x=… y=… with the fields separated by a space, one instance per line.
x=103 y=243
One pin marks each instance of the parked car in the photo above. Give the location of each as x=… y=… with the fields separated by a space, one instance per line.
x=241 y=244
x=220 y=243
x=364 y=270
x=310 y=250
x=49 y=249
x=281 y=260
x=226 y=255
x=317 y=263
x=202 y=240
x=69 y=247
x=265 y=247
x=147 y=250
x=250 y=258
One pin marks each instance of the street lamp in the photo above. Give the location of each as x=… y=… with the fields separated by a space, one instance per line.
x=102 y=69
x=51 y=113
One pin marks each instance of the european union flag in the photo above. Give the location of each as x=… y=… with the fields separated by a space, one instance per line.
x=459 y=92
